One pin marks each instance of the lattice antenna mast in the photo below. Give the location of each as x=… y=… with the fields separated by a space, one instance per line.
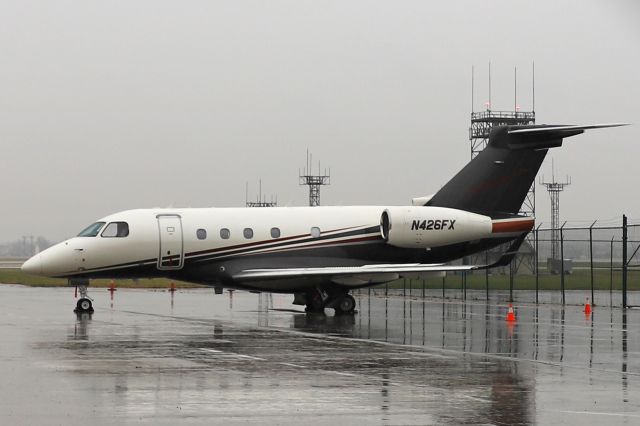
x=261 y=199
x=314 y=182
x=483 y=121
x=555 y=188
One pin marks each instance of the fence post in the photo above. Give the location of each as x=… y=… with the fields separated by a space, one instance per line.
x=536 y=262
x=511 y=281
x=486 y=274
x=562 y=261
x=611 y=269
x=624 y=261
x=593 y=301
x=464 y=285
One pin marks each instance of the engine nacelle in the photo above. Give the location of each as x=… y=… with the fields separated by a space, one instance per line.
x=426 y=227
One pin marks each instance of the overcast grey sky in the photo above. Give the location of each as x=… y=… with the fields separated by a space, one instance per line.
x=112 y=105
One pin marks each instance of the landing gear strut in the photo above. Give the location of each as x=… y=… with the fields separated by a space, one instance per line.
x=316 y=301
x=84 y=304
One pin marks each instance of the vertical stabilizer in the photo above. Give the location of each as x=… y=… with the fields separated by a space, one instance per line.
x=497 y=180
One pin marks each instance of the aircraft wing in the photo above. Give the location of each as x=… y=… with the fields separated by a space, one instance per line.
x=373 y=273
x=351 y=276
x=343 y=271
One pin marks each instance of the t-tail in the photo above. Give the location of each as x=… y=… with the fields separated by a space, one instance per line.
x=495 y=183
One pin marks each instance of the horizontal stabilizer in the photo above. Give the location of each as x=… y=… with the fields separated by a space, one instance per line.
x=554 y=128
x=546 y=136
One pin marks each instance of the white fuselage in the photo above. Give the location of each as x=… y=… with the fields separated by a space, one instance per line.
x=143 y=242
x=213 y=245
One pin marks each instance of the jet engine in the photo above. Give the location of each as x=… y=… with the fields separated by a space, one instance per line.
x=426 y=227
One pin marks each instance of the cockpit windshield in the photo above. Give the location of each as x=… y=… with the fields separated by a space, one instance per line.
x=91 y=230
x=116 y=229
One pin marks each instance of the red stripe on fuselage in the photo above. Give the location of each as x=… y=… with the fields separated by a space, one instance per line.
x=525 y=225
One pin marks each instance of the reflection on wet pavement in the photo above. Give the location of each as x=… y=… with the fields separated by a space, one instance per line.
x=158 y=357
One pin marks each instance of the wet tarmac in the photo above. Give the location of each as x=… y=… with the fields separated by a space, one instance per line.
x=195 y=357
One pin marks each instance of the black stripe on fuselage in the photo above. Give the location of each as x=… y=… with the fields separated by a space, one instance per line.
x=287 y=242
x=240 y=249
x=116 y=266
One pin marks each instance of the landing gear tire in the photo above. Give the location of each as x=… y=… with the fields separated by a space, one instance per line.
x=346 y=305
x=84 y=305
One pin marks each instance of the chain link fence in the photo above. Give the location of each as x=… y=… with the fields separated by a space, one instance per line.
x=598 y=263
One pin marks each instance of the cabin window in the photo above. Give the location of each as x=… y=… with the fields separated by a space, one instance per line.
x=248 y=233
x=225 y=233
x=91 y=230
x=315 y=232
x=201 y=234
x=116 y=230
x=275 y=232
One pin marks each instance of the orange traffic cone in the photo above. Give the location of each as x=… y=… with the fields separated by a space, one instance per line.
x=511 y=316
x=587 y=307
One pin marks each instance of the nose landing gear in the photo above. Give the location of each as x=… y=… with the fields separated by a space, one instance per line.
x=84 y=304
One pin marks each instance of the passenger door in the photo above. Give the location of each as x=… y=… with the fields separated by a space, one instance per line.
x=171 y=245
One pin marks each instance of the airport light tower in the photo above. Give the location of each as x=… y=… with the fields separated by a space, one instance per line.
x=555 y=188
x=314 y=182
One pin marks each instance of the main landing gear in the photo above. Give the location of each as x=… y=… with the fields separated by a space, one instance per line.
x=84 y=304
x=346 y=305
x=317 y=300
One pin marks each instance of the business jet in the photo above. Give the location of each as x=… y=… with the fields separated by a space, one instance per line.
x=319 y=254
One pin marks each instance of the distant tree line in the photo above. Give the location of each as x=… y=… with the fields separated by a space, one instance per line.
x=24 y=247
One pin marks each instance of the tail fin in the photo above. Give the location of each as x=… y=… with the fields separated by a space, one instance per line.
x=496 y=182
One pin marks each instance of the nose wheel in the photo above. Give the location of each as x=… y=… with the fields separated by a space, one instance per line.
x=84 y=304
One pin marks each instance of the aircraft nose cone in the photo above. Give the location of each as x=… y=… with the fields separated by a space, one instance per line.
x=33 y=266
